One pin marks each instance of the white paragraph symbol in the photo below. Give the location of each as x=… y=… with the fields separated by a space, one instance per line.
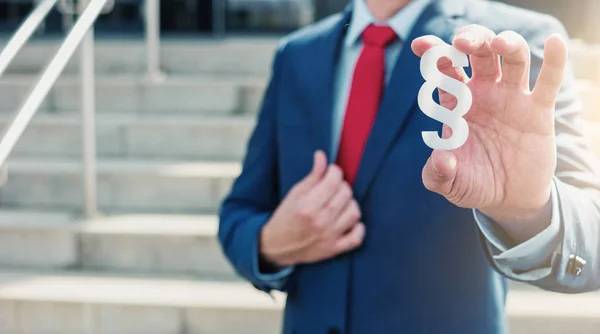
x=434 y=79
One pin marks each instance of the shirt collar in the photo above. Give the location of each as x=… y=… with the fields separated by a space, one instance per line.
x=402 y=22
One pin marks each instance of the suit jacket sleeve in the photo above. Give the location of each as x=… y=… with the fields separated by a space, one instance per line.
x=572 y=261
x=254 y=195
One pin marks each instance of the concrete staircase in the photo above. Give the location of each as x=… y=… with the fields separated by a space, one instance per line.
x=168 y=152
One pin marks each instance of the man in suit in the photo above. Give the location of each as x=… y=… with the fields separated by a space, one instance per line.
x=341 y=204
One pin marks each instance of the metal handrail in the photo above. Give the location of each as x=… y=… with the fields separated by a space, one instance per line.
x=24 y=33
x=80 y=33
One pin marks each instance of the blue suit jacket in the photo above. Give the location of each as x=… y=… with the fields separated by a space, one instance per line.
x=422 y=267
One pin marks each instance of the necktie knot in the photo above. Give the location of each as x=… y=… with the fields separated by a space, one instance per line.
x=379 y=36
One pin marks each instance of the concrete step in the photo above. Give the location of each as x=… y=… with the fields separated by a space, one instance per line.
x=251 y=55
x=198 y=95
x=37 y=239
x=171 y=245
x=123 y=185
x=36 y=304
x=232 y=55
x=157 y=244
x=61 y=303
x=173 y=138
x=202 y=95
x=132 y=136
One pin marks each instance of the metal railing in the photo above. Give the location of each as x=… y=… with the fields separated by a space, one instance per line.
x=152 y=31
x=24 y=33
x=82 y=36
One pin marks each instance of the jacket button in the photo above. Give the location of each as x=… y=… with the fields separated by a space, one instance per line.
x=334 y=330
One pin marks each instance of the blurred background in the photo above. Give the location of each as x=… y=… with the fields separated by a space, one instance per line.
x=107 y=220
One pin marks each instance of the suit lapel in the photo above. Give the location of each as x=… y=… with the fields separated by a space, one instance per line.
x=400 y=97
x=326 y=55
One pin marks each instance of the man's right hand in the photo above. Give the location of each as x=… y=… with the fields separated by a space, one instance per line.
x=317 y=220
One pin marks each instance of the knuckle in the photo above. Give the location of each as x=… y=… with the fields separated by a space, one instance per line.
x=329 y=209
x=336 y=173
x=355 y=213
x=345 y=190
x=356 y=241
x=305 y=213
x=352 y=242
x=432 y=182
x=318 y=224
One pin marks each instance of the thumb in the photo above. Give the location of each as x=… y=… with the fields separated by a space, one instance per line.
x=439 y=172
x=318 y=170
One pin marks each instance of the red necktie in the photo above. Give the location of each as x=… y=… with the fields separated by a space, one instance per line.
x=365 y=96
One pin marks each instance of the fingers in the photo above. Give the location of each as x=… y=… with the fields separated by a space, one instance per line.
x=422 y=44
x=425 y=43
x=516 y=58
x=474 y=40
x=347 y=219
x=314 y=176
x=329 y=185
x=551 y=75
x=352 y=239
x=318 y=170
x=439 y=172
x=338 y=203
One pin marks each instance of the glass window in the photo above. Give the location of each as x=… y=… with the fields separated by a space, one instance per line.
x=14 y=12
x=126 y=18
x=186 y=16
x=268 y=15
x=179 y=17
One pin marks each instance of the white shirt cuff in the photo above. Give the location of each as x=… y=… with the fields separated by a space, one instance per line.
x=530 y=255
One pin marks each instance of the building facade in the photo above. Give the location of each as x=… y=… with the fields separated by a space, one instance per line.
x=179 y=17
x=219 y=17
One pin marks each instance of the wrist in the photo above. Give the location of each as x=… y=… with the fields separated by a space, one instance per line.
x=268 y=249
x=522 y=224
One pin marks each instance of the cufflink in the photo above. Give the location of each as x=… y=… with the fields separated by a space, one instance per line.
x=575 y=265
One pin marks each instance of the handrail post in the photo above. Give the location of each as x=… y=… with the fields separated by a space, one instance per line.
x=219 y=17
x=88 y=121
x=152 y=32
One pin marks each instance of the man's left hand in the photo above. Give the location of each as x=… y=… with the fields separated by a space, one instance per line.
x=505 y=168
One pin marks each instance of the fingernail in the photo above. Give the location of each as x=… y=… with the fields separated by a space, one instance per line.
x=467 y=36
x=509 y=40
x=512 y=42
